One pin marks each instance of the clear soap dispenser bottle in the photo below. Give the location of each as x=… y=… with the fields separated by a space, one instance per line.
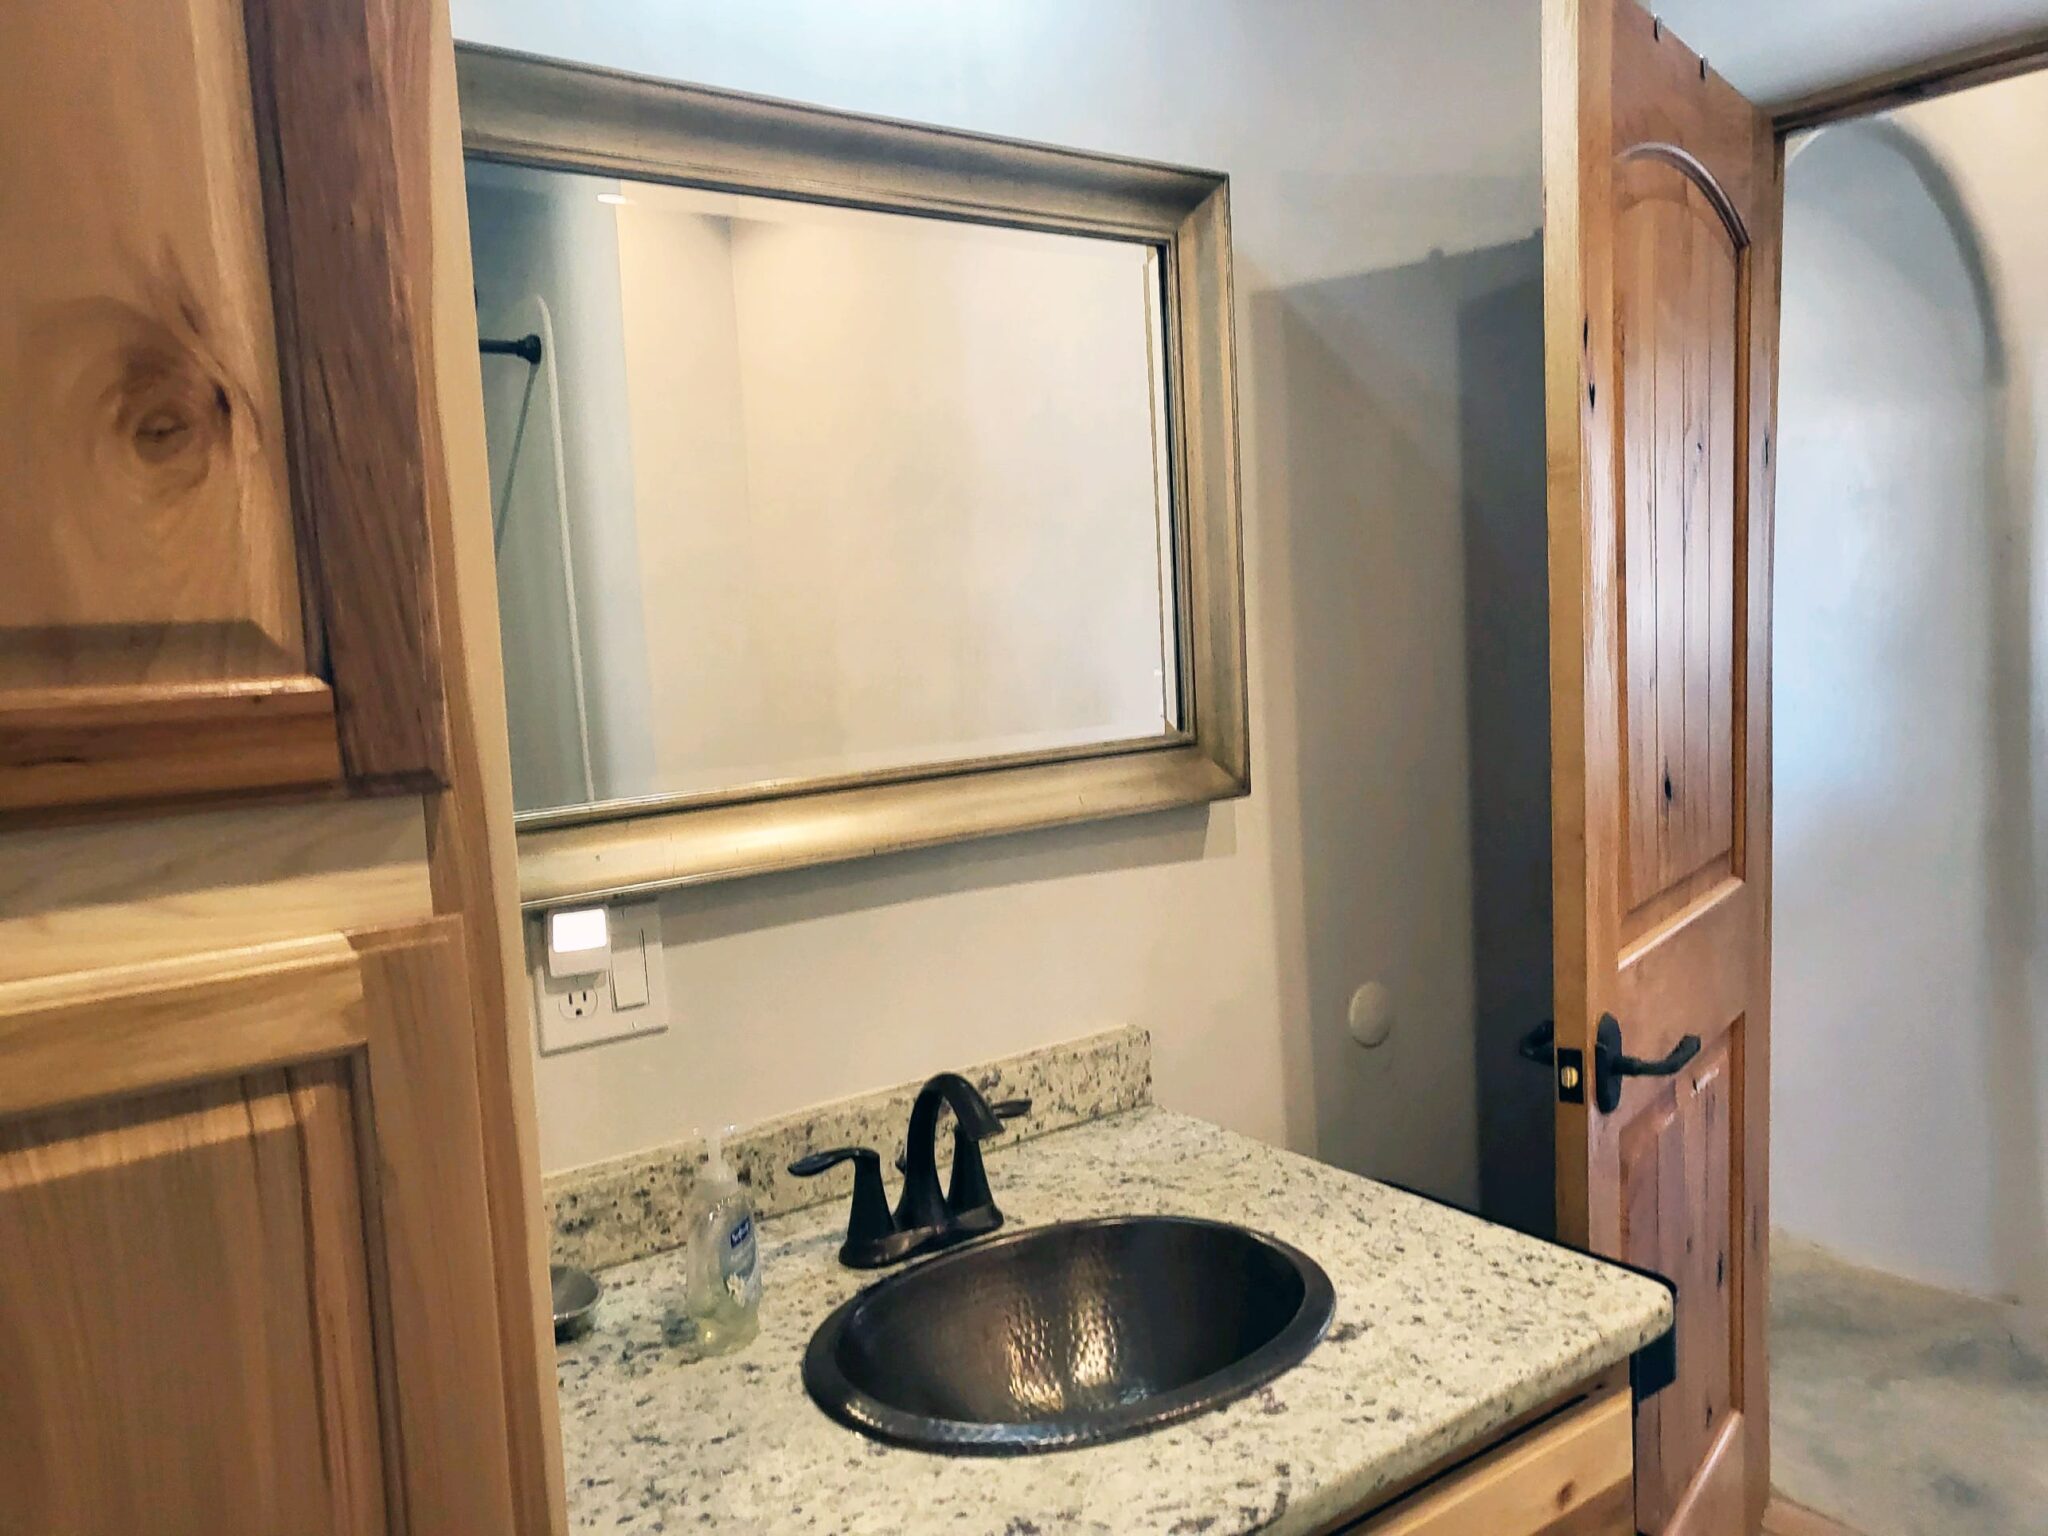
x=722 y=1265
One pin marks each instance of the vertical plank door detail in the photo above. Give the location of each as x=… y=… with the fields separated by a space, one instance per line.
x=1663 y=200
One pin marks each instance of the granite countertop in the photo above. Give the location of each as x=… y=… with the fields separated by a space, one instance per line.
x=1446 y=1328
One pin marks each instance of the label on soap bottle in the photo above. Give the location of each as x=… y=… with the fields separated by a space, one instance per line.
x=739 y=1268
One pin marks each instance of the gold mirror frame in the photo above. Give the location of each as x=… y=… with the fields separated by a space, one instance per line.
x=543 y=112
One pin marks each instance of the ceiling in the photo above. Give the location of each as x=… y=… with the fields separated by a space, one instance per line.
x=1774 y=50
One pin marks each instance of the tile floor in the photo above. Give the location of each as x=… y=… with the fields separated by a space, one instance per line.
x=1902 y=1410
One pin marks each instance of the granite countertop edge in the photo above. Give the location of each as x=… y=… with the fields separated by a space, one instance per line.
x=1447 y=1328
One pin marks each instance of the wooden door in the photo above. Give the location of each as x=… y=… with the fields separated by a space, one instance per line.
x=215 y=451
x=1662 y=204
x=248 y=1270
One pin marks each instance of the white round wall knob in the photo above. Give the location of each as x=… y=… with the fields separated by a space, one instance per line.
x=1371 y=1015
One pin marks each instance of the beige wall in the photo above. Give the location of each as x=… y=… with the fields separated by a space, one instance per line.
x=690 y=507
x=950 y=446
x=1365 y=141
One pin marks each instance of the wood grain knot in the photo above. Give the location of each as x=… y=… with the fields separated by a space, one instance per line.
x=141 y=410
x=166 y=417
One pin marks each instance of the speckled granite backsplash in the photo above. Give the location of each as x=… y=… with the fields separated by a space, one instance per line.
x=611 y=1213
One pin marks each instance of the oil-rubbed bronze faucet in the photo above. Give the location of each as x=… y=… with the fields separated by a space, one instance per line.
x=924 y=1220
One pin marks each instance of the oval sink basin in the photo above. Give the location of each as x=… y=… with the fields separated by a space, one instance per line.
x=1068 y=1335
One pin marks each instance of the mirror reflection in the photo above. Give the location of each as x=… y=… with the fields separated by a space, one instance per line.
x=786 y=492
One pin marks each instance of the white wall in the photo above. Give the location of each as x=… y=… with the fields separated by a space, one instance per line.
x=690 y=497
x=949 y=437
x=895 y=486
x=1772 y=51
x=1365 y=141
x=1907 y=1040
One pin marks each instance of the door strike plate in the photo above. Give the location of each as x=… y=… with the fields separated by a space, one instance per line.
x=1571 y=1076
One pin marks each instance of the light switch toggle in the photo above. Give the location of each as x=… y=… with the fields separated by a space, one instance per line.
x=629 y=972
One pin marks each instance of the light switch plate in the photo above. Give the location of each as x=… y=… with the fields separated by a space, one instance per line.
x=576 y=1011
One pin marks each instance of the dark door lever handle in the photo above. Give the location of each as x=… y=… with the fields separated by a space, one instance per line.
x=1611 y=1063
x=1669 y=1065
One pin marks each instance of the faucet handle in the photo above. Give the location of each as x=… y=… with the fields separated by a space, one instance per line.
x=811 y=1164
x=870 y=1228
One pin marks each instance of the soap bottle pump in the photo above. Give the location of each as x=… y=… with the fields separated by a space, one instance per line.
x=722 y=1295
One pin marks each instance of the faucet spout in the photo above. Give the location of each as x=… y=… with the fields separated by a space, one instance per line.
x=922 y=1205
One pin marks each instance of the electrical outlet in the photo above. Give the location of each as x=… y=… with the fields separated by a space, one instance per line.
x=627 y=1000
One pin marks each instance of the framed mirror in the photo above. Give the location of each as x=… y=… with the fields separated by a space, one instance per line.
x=855 y=485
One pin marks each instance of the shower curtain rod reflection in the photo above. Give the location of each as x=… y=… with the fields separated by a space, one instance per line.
x=526 y=347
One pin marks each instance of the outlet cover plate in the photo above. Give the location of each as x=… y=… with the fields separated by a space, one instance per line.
x=577 y=1011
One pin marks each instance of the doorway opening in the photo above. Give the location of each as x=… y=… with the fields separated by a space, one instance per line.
x=1909 y=1153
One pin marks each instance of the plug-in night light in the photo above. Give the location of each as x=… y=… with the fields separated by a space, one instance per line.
x=579 y=941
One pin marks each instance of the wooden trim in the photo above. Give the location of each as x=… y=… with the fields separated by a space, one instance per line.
x=78 y=898
x=1613 y=1379
x=150 y=741
x=1568 y=1476
x=110 y=1033
x=445 y=1336
x=332 y=87
x=1577 y=48
x=473 y=859
x=1979 y=65
x=534 y=111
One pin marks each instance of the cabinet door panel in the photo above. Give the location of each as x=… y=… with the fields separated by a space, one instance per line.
x=189 y=1347
x=253 y=1295
x=145 y=510
x=152 y=638
x=215 y=468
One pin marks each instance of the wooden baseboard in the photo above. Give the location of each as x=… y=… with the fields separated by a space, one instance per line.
x=1784 y=1518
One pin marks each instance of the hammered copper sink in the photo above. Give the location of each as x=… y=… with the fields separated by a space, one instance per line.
x=1068 y=1335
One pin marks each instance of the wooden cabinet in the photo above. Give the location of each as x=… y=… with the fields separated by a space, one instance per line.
x=248 y=1264
x=217 y=463
x=1568 y=1474
x=269 y=1207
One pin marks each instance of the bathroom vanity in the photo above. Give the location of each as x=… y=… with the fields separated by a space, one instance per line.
x=1472 y=1380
